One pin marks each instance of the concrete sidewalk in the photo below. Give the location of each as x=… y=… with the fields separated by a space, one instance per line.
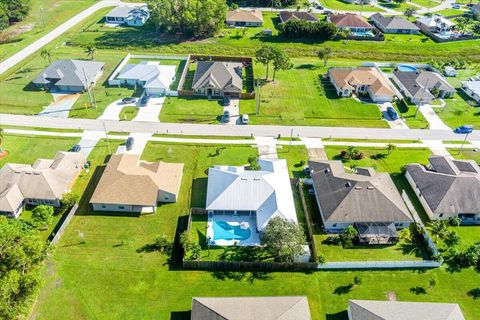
x=267 y=147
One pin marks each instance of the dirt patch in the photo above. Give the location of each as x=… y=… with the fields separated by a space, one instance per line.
x=3 y=154
x=392 y=296
x=14 y=31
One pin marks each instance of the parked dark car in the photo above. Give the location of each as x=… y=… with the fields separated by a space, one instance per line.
x=226 y=101
x=392 y=113
x=307 y=171
x=226 y=116
x=76 y=148
x=129 y=100
x=129 y=143
x=327 y=12
x=144 y=100
x=466 y=128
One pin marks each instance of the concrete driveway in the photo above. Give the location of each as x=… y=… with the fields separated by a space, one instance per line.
x=395 y=124
x=150 y=112
x=112 y=112
x=89 y=140
x=61 y=105
x=140 y=141
x=234 y=109
x=433 y=119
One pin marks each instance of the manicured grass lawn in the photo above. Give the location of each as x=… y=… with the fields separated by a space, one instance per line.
x=340 y=5
x=128 y=113
x=401 y=7
x=300 y=96
x=294 y=156
x=407 y=112
x=27 y=149
x=427 y=3
x=450 y=12
x=194 y=109
x=466 y=154
x=26 y=215
x=460 y=110
x=186 y=136
x=54 y=12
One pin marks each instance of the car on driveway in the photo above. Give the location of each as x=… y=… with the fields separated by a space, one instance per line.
x=129 y=100
x=76 y=148
x=226 y=101
x=129 y=143
x=327 y=12
x=144 y=100
x=466 y=128
x=245 y=119
x=226 y=116
x=392 y=113
x=456 y=6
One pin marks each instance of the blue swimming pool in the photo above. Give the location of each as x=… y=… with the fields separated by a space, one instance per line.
x=225 y=231
x=406 y=68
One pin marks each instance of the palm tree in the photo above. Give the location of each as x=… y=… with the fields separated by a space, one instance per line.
x=438 y=229
x=90 y=50
x=46 y=54
x=325 y=54
x=391 y=147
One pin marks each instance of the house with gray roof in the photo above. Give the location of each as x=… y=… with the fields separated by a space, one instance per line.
x=447 y=188
x=133 y=16
x=218 y=78
x=394 y=24
x=365 y=198
x=472 y=89
x=69 y=75
x=400 y=310
x=44 y=182
x=154 y=77
x=251 y=308
x=297 y=15
x=422 y=87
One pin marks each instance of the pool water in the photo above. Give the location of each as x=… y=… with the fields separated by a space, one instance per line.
x=225 y=231
x=406 y=68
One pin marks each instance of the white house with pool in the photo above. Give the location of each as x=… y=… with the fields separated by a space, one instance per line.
x=241 y=202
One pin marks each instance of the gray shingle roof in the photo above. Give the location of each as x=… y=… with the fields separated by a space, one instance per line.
x=251 y=308
x=419 y=83
x=452 y=187
x=396 y=23
x=366 y=197
x=397 y=310
x=218 y=75
x=128 y=11
x=297 y=15
x=70 y=73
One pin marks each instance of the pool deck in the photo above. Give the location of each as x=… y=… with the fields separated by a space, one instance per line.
x=253 y=240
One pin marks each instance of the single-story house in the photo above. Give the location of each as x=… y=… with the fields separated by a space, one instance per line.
x=351 y=22
x=218 y=78
x=472 y=89
x=361 y=80
x=357 y=1
x=251 y=308
x=394 y=24
x=377 y=233
x=129 y=15
x=435 y=23
x=69 y=75
x=402 y=310
x=244 y=18
x=154 y=77
x=44 y=182
x=449 y=71
x=418 y=86
x=349 y=199
x=264 y=194
x=447 y=188
x=131 y=185
x=297 y=15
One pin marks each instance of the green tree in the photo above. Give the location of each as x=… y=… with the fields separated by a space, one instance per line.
x=357 y=280
x=22 y=253
x=195 y=251
x=391 y=147
x=325 y=54
x=265 y=55
x=90 y=50
x=253 y=163
x=42 y=216
x=438 y=229
x=410 y=12
x=281 y=61
x=283 y=239
x=351 y=232
x=67 y=202
x=46 y=54
x=185 y=240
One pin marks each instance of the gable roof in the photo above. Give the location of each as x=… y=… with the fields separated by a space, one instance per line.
x=398 y=310
x=452 y=186
x=153 y=74
x=127 y=180
x=218 y=74
x=251 y=308
x=348 y=77
x=349 y=20
x=420 y=83
x=297 y=15
x=267 y=191
x=395 y=23
x=366 y=196
x=244 y=16
x=46 y=179
x=70 y=73
x=435 y=20
x=131 y=12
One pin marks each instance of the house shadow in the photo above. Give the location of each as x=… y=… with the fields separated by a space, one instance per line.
x=199 y=193
x=307 y=66
x=342 y=315
x=30 y=87
x=180 y=315
x=177 y=251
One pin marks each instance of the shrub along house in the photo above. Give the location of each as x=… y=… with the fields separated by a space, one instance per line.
x=244 y=18
x=218 y=79
x=69 y=75
x=394 y=24
x=366 y=199
x=44 y=182
x=447 y=188
x=362 y=80
x=131 y=185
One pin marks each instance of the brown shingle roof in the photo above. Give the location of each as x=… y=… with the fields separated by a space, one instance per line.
x=349 y=20
x=244 y=16
x=347 y=77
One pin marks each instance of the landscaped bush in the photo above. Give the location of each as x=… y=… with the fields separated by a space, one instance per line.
x=352 y=153
x=321 y=30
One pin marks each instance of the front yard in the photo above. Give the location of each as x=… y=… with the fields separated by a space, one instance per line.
x=191 y=109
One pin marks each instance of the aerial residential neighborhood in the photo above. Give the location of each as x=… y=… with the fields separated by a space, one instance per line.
x=240 y=160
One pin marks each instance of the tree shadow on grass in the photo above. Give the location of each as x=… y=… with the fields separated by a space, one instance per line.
x=418 y=290
x=342 y=315
x=343 y=289
x=474 y=293
x=180 y=315
x=198 y=194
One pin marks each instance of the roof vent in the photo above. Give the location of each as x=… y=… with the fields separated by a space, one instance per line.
x=358 y=188
x=18 y=172
x=327 y=171
x=244 y=179
x=36 y=173
x=348 y=184
x=256 y=179
x=370 y=188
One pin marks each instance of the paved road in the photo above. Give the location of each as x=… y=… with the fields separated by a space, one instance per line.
x=257 y=130
x=52 y=35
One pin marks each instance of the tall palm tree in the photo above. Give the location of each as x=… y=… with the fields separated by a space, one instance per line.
x=90 y=50
x=438 y=229
x=46 y=54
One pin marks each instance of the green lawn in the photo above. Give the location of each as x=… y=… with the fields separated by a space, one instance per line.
x=450 y=12
x=460 y=110
x=128 y=113
x=294 y=156
x=401 y=7
x=427 y=3
x=194 y=109
x=407 y=112
x=340 y=5
x=466 y=154
x=27 y=149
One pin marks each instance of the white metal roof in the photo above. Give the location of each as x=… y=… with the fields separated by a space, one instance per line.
x=154 y=75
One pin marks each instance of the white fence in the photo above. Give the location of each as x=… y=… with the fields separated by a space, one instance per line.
x=379 y=265
x=65 y=223
x=111 y=80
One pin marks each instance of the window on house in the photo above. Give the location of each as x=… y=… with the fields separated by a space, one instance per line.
x=103 y=206
x=121 y=207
